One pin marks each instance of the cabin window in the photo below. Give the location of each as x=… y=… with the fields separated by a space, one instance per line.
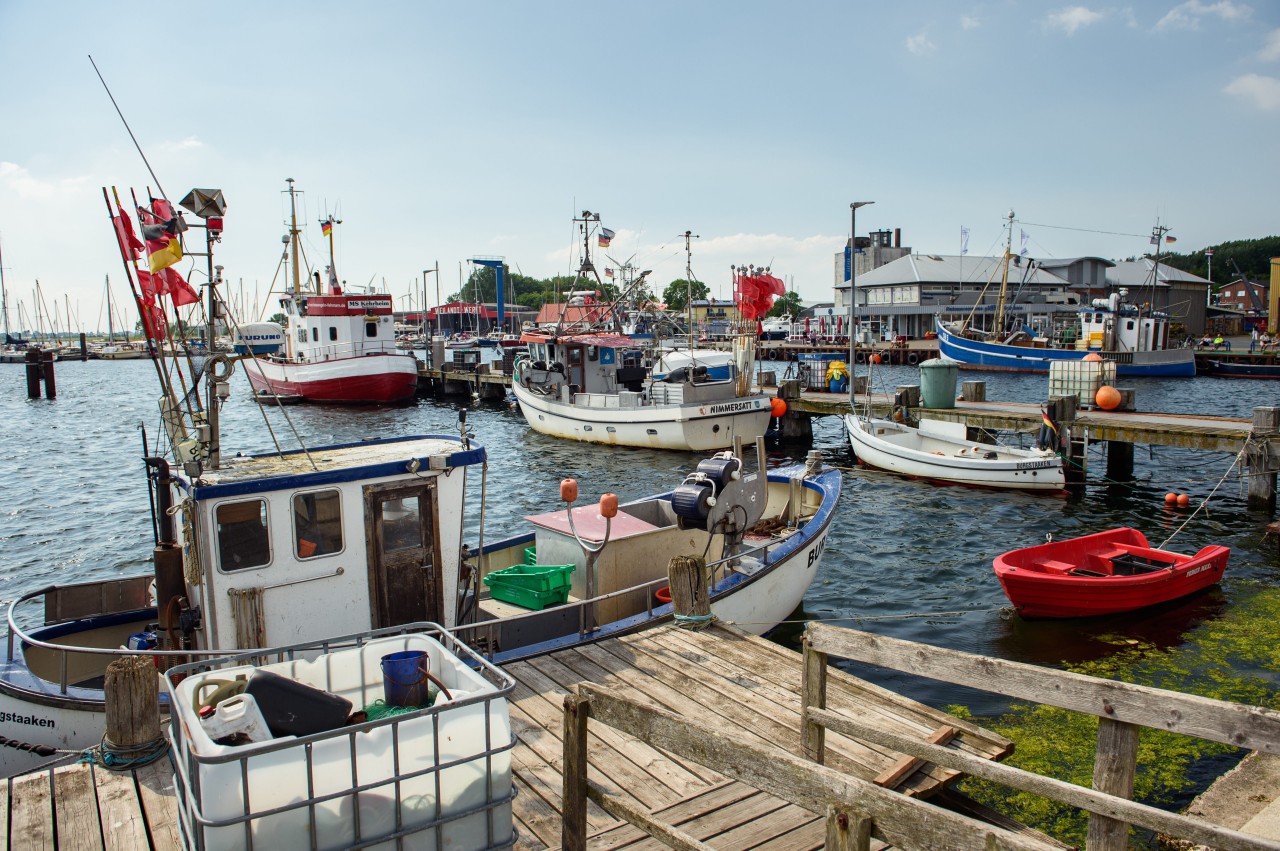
x=317 y=523
x=575 y=357
x=401 y=524
x=333 y=334
x=241 y=528
x=591 y=353
x=315 y=335
x=302 y=335
x=1129 y=325
x=371 y=328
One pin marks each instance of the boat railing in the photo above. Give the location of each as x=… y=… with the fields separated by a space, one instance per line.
x=339 y=351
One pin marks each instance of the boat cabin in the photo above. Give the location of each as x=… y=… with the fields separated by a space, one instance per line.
x=590 y=363
x=337 y=325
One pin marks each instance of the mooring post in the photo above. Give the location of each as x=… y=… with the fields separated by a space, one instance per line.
x=910 y=394
x=690 y=586
x=84 y=346
x=1063 y=411
x=793 y=425
x=46 y=371
x=1120 y=452
x=33 y=373
x=1262 y=474
x=131 y=690
x=573 y=801
x=973 y=391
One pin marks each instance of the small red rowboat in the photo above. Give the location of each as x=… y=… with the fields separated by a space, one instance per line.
x=1103 y=574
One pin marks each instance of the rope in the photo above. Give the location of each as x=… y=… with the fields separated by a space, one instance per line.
x=868 y=617
x=694 y=619
x=1205 y=501
x=115 y=758
x=190 y=558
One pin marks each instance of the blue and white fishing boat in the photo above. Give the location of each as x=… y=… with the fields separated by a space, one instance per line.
x=300 y=545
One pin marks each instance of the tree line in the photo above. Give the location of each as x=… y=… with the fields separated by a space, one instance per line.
x=1251 y=256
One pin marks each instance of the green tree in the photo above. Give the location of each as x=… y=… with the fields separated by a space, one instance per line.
x=787 y=304
x=278 y=318
x=677 y=293
x=1252 y=256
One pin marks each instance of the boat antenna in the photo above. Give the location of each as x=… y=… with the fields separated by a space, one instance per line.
x=688 y=282
x=128 y=128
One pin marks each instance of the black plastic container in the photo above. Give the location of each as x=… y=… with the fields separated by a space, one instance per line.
x=291 y=708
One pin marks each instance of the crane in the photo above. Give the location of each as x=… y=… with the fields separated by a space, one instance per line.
x=1249 y=287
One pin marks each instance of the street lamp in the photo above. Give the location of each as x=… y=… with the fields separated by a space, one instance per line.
x=853 y=292
x=426 y=272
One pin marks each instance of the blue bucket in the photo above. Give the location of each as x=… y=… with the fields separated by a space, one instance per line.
x=404 y=678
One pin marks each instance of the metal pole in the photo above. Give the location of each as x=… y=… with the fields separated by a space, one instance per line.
x=853 y=291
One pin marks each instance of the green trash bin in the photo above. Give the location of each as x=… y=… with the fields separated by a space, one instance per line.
x=938 y=383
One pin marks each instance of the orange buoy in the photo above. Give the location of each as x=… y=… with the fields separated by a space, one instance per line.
x=777 y=406
x=568 y=490
x=1092 y=357
x=875 y=359
x=1107 y=397
x=1170 y=498
x=1183 y=500
x=609 y=505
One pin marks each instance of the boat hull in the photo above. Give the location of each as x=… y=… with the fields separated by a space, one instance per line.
x=1236 y=369
x=938 y=459
x=998 y=357
x=356 y=380
x=1103 y=574
x=693 y=427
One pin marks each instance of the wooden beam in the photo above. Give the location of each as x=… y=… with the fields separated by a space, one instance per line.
x=1115 y=764
x=75 y=806
x=847 y=831
x=908 y=765
x=1120 y=809
x=123 y=826
x=669 y=835
x=813 y=694
x=573 y=799
x=31 y=811
x=907 y=823
x=1252 y=727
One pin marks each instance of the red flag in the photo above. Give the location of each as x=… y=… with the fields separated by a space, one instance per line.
x=148 y=285
x=130 y=246
x=754 y=294
x=153 y=321
x=160 y=229
x=179 y=290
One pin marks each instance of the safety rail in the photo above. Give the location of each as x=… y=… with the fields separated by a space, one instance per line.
x=1121 y=709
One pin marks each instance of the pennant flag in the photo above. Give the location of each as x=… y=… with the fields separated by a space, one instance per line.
x=130 y=246
x=606 y=236
x=754 y=294
x=154 y=324
x=179 y=290
x=1026 y=237
x=964 y=240
x=1170 y=239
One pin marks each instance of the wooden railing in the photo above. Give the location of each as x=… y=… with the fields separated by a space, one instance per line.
x=1121 y=708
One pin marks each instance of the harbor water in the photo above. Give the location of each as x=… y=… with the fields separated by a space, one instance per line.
x=905 y=558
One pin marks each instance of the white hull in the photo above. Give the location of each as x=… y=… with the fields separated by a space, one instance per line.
x=64 y=726
x=938 y=451
x=769 y=600
x=693 y=427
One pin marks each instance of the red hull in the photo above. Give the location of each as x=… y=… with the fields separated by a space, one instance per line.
x=354 y=389
x=1103 y=574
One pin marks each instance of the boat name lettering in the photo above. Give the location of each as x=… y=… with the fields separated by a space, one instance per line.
x=29 y=720
x=1199 y=569
x=730 y=407
x=1035 y=465
x=369 y=303
x=816 y=552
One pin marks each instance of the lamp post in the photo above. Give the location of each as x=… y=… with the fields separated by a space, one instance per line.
x=425 y=272
x=853 y=291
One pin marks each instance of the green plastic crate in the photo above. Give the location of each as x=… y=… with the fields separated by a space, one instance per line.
x=532 y=586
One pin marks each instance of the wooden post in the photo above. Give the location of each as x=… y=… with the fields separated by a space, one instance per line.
x=793 y=425
x=973 y=391
x=46 y=370
x=846 y=830
x=132 y=694
x=861 y=385
x=84 y=346
x=573 y=831
x=33 y=373
x=910 y=393
x=690 y=590
x=1114 y=767
x=1063 y=411
x=1262 y=476
x=1120 y=452
x=813 y=695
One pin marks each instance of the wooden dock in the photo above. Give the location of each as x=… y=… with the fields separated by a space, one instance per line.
x=721 y=677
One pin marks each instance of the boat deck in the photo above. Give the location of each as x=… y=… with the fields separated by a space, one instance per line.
x=718 y=676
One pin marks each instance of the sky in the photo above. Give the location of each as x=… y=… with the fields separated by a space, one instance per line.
x=440 y=132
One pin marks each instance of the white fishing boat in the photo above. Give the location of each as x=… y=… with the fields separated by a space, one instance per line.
x=294 y=546
x=339 y=346
x=594 y=385
x=941 y=451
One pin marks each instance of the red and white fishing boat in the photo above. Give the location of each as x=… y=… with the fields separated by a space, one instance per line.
x=1103 y=574
x=339 y=346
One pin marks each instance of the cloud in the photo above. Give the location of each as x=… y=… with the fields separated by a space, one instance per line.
x=28 y=187
x=968 y=22
x=1072 y=18
x=1271 y=52
x=919 y=44
x=1263 y=91
x=1187 y=15
x=188 y=144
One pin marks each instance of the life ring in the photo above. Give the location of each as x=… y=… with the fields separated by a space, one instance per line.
x=860 y=357
x=913 y=358
x=216 y=361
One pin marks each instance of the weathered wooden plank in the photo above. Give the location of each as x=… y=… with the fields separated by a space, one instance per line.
x=907 y=823
x=123 y=827
x=908 y=765
x=573 y=834
x=612 y=770
x=546 y=778
x=810 y=836
x=566 y=670
x=717 y=797
x=847 y=831
x=4 y=810
x=75 y=806
x=736 y=825
x=670 y=836
x=1115 y=765
x=31 y=812
x=159 y=802
x=1113 y=807
x=1216 y=720
x=813 y=694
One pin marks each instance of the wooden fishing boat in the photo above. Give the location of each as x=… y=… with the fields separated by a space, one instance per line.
x=1103 y=574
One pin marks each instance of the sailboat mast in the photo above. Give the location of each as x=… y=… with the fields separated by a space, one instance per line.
x=998 y=328
x=4 y=300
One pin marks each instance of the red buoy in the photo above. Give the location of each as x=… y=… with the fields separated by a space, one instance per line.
x=777 y=406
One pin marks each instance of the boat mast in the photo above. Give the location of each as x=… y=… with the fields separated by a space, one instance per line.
x=998 y=328
x=1157 y=234
x=111 y=331
x=4 y=301
x=688 y=283
x=333 y=266
x=293 y=238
